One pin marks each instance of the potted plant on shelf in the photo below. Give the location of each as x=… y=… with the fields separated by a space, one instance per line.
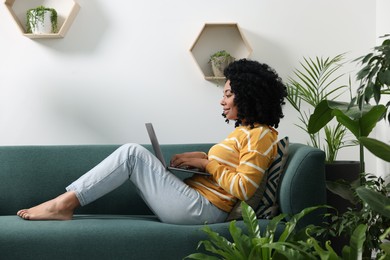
x=219 y=61
x=41 y=20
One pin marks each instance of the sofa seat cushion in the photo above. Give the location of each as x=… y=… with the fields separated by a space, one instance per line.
x=102 y=237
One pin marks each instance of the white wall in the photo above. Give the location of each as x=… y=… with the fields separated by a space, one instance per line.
x=123 y=63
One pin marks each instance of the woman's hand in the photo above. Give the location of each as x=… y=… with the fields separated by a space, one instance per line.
x=196 y=160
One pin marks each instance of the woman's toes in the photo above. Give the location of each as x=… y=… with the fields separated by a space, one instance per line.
x=23 y=214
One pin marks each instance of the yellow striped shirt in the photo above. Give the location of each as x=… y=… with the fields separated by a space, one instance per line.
x=237 y=165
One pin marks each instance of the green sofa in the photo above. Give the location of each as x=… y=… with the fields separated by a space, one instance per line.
x=119 y=225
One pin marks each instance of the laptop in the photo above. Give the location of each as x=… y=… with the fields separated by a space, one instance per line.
x=159 y=155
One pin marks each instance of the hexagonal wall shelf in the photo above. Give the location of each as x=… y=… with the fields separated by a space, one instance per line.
x=66 y=9
x=216 y=37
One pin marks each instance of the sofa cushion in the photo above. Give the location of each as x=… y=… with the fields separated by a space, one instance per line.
x=253 y=202
x=103 y=237
x=264 y=199
x=269 y=207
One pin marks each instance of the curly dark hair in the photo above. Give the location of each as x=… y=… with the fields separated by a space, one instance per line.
x=258 y=92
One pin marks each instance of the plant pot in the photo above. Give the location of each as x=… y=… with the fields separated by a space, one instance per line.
x=41 y=22
x=348 y=171
x=345 y=170
x=218 y=65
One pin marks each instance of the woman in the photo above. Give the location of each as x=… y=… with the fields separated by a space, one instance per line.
x=252 y=96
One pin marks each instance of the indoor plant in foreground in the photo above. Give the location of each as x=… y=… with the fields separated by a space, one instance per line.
x=41 y=20
x=381 y=204
x=290 y=245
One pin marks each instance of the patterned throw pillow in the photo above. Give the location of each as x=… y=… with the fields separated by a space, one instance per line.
x=253 y=202
x=268 y=208
x=264 y=199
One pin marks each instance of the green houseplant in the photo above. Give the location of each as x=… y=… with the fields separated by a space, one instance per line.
x=381 y=204
x=41 y=20
x=343 y=225
x=360 y=120
x=291 y=244
x=373 y=211
x=360 y=117
x=219 y=61
x=375 y=74
x=314 y=82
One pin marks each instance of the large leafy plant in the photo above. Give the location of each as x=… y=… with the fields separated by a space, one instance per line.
x=377 y=200
x=314 y=82
x=381 y=204
x=359 y=121
x=361 y=117
x=358 y=115
x=360 y=214
x=375 y=74
x=289 y=245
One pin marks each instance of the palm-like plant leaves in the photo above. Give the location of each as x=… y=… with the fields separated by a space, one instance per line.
x=314 y=83
x=334 y=137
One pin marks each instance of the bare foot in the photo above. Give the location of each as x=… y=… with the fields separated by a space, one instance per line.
x=60 y=208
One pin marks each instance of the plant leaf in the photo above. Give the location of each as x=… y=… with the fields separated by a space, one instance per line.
x=225 y=247
x=321 y=116
x=250 y=220
x=378 y=148
x=291 y=224
x=370 y=119
x=272 y=225
x=290 y=251
x=242 y=242
x=201 y=256
x=357 y=240
x=343 y=119
x=375 y=200
x=384 y=77
x=386 y=248
x=343 y=189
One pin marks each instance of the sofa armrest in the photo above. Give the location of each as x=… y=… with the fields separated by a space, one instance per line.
x=303 y=183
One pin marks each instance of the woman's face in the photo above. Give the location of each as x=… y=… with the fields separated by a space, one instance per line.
x=227 y=102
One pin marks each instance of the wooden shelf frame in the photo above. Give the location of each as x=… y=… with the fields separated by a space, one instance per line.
x=215 y=37
x=63 y=27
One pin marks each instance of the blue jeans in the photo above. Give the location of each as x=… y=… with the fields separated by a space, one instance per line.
x=168 y=197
